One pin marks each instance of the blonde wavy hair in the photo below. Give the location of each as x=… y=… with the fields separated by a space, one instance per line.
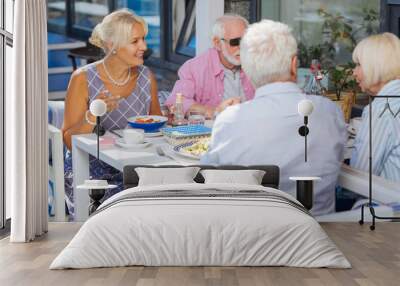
x=379 y=58
x=116 y=28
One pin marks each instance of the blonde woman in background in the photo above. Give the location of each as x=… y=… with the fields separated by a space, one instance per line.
x=377 y=71
x=120 y=79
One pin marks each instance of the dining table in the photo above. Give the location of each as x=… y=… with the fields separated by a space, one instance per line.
x=158 y=152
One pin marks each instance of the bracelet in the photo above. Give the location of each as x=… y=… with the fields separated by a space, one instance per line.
x=87 y=118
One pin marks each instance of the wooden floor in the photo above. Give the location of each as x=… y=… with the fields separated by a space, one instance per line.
x=375 y=257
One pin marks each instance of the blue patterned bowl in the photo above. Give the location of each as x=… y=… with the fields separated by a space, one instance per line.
x=148 y=127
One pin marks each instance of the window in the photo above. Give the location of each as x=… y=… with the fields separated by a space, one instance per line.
x=56 y=16
x=325 y=29
x=171 y=37
x=172 y=32
x=77 y=18
x=150 y=11
x=250 y=9
x=87 y=14
x=180 y=40
x=180 y=23
x=6 y=29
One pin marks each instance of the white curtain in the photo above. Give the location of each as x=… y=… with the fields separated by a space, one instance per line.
x=26 y=123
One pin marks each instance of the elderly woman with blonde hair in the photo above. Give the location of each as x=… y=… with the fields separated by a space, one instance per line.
x=377 y=71
x=120 y=79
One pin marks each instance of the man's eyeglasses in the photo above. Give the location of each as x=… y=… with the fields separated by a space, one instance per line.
x=233 y=42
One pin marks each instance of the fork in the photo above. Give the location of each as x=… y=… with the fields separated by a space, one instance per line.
x=160 y=152
x=116 y=133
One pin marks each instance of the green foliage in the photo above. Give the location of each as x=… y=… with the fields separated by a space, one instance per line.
x=339 y=29
x=341 y=78
x=307 y=54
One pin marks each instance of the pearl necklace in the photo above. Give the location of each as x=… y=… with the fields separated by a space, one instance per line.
x=118 y=83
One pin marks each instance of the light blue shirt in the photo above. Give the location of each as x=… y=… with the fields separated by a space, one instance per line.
x=385 y=136
x=232 y=85
x=265 y=131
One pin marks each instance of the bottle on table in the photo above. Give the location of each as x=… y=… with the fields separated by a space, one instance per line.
x=179 y=114
x=313 y=83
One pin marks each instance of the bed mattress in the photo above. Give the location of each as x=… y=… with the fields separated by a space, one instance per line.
x=201 y=225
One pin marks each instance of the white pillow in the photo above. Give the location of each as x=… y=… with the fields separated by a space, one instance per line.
x=249 y=177
x=166 y=176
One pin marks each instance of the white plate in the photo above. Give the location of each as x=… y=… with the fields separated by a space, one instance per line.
x=352 y=130
x=121 y=143
x=153 y=134
x=179 y=149
x=91 y=187
x=350 y=143
x=148 y=134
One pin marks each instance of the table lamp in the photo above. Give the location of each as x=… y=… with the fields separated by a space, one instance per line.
x=305 y=107
x=304 y=185
x=97 y=188
x=98 y=108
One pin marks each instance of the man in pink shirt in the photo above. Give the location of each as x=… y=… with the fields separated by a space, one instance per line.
x=214 y=80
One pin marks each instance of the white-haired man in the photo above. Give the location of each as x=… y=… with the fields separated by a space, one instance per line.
x=265 y=129
x=214 y=79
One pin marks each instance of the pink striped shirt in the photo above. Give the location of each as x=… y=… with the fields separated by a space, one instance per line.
x=201 y=81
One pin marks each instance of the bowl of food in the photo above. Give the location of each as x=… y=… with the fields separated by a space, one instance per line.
x=149 y=123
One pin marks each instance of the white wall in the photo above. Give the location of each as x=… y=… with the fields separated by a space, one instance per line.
x=207 y=11
x=9 y=12
x=7 y=82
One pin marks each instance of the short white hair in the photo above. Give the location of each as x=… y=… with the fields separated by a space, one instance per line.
x=266 y=52
x=379 y=58
x=116 y=28
x=218 y=30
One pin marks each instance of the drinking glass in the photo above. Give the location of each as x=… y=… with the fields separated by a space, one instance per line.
x=196 y=117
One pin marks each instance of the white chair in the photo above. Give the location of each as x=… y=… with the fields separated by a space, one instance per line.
x=56 y=172
x=56 y=167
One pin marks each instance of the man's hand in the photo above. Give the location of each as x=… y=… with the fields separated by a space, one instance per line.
x=228 y=102
x=209 y=112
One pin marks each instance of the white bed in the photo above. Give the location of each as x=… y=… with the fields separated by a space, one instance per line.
x=247 y=228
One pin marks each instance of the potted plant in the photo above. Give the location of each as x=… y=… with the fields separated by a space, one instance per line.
x=341 y=79
x=339 y=31
x=344 y=87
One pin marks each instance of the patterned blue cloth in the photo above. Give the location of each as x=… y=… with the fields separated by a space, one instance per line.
x=186 y=130
x=385 y=136
x=138 y=103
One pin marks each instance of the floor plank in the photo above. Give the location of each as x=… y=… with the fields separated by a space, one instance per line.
x=374 y=255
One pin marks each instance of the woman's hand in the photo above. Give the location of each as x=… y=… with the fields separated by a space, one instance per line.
x=112 y=101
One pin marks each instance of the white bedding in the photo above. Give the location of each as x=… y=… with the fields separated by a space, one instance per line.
x=200 y=231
